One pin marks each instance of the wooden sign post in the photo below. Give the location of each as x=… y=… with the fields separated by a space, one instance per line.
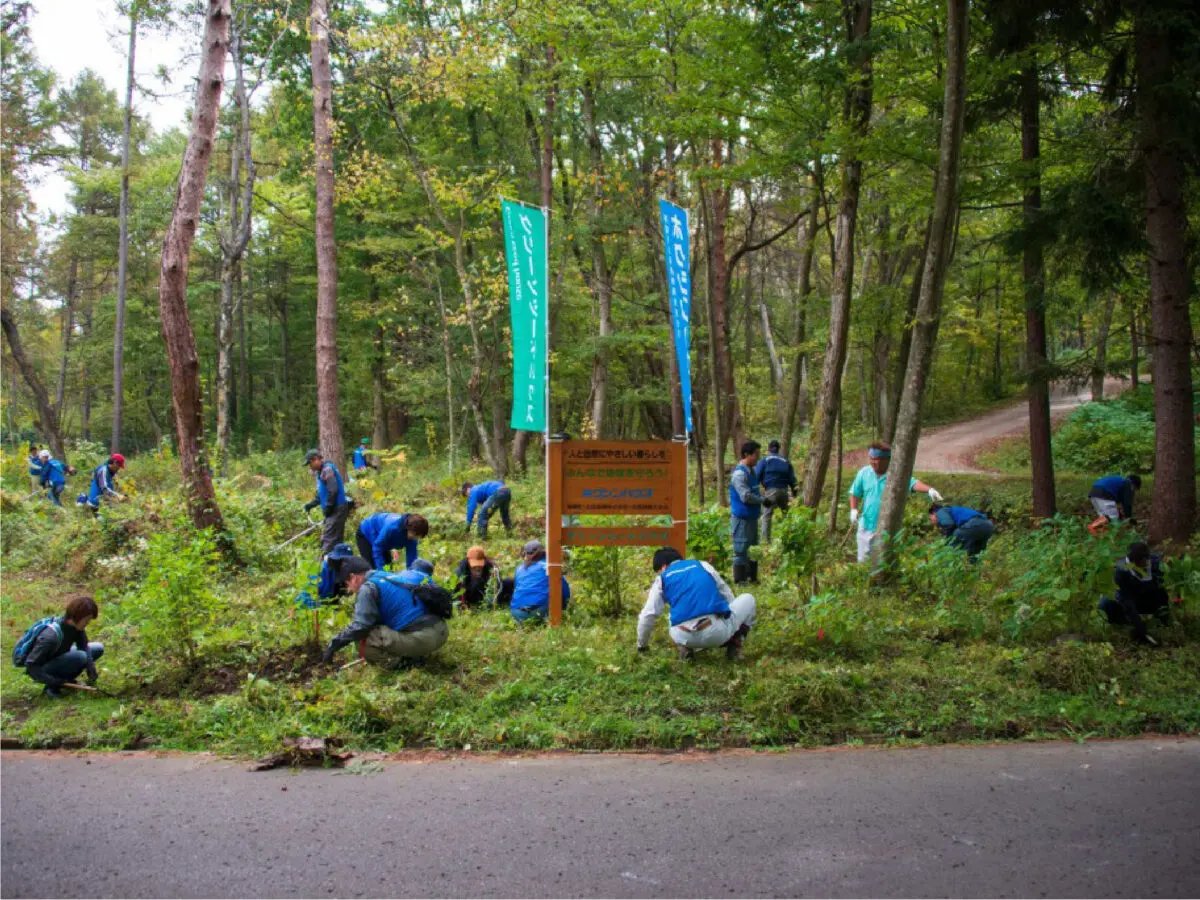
x=612 y=478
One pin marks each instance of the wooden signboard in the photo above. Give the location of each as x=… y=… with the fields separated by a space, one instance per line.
x=622 y=478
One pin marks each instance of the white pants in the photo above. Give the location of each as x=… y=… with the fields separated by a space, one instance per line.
x=717 y=634
x=866 y=539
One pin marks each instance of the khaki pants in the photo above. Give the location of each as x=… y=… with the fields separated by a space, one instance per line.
x=719 y=631
x=386 y=647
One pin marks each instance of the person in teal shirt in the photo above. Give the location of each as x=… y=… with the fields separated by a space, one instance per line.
x=866 y=495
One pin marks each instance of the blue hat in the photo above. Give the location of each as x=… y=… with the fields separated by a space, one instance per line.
x=424 y=566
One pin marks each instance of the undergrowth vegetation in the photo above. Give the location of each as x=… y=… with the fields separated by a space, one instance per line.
x=208 y=655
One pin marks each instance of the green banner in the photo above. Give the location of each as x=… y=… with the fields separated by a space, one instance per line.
x=528 y=280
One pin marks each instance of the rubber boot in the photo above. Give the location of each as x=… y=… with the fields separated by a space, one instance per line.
x=753 y=571
x=741 y=573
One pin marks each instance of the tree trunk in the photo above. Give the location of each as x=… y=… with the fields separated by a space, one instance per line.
x=937 y=259
x=47 y=419
x=858 y=114
x=448 y=360
x=888 y=430
x=601 y=276
x=68 y=329
x=793 y=409
x=379 y=385
x=1134 y=348
x=719 y=299
x=242 y=303
x=172 y=290
x=328 y=416
x=1037 y=366
x=1099 y=369
x=1174 y=506
x=118 y=410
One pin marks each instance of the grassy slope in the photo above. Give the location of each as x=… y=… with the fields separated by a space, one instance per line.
x=920 y=662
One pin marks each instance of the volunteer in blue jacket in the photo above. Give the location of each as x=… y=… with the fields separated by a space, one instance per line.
x=778 y=484
x=963 y=527
x=531 y=585
x=1112 y=498
x=867 y=492
x=331 y=497
x=54 y=476
x=493 y=495
x=104 y=482
x=381 y=534
x=361 y=461
x=745 y=506
x=389 y=619
x=704 y=612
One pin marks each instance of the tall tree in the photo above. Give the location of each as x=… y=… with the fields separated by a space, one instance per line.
x=1167 y=63
x=173 y=275
x=233 y=237
x=937 y=259
x=47 y=421
x=857 y=114
x=329 y=420
x=123 y=248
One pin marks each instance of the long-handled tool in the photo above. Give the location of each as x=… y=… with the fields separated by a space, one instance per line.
x=309 y=530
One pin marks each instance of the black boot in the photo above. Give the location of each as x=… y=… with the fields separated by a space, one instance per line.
x=753 y=571
x=741 y=573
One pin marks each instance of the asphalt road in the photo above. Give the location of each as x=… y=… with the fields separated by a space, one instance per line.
x=1028 y=820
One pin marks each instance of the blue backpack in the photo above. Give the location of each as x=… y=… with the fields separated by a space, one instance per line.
x=25 y=644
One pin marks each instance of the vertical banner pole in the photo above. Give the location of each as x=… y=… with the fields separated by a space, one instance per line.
x=554 y=527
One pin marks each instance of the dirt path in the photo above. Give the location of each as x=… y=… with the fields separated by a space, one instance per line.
x=952 y=448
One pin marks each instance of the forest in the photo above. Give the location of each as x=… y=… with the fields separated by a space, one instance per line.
x=805 y=139
x=902 y=214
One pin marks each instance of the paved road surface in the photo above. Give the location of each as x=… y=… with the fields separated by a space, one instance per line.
x=1093 y=820
x=952 y=448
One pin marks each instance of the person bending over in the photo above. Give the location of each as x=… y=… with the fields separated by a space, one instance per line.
x=963 y=527
x=1140 y=592
x=1112 y=499
x=380 y=537
x=393 y=623
x=489 y=498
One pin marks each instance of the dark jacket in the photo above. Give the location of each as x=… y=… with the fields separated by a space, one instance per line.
x=471 y=590
x=47 y=647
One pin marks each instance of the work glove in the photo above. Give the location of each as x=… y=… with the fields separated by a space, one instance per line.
x=642 y=649
x=853 y=516
x=92 y=674
x=328 y=510
x=767 y=504
x=935 y=496
x=327 y=656
x=311 y=505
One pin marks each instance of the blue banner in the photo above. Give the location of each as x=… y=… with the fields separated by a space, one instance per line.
x=678 y=252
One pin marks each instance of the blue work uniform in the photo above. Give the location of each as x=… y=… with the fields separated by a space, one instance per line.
x=531 y=591
x=966 y=528
x=380 y=534
x=1117 y=489
x=691 y=592
x=104 y=483
x=54 y=477
x=360 y=458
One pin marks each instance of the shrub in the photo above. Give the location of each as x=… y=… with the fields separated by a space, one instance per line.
x=175 y=602
x=1114 y=436
x=708 y=537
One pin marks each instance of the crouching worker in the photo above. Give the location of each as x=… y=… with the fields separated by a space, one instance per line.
x=704 y=612
x=531 y=585
x=398 y=617
x=1112 y=499
x=1140 y=592
x=963 y=527
x=54 y=651
x=478 y=580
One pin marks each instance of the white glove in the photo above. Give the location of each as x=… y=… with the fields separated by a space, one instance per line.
x=853 y=516
x=934 y=495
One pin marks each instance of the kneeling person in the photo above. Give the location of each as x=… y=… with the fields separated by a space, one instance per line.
x=704 y=612
x=1140 y=592
x=394 y=623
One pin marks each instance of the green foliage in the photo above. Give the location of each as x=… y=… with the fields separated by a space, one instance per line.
x=708 y=537
x=1114 y=436
x=603 y=577
x=176 y=602
x=800 y=537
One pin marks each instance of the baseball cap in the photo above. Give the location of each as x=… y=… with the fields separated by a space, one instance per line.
x=532 y=547
x=424 y=566
x=118 y=459
x=476 y=554
x=311 y=455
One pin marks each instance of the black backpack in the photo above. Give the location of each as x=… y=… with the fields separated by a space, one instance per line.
x=436 y=599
